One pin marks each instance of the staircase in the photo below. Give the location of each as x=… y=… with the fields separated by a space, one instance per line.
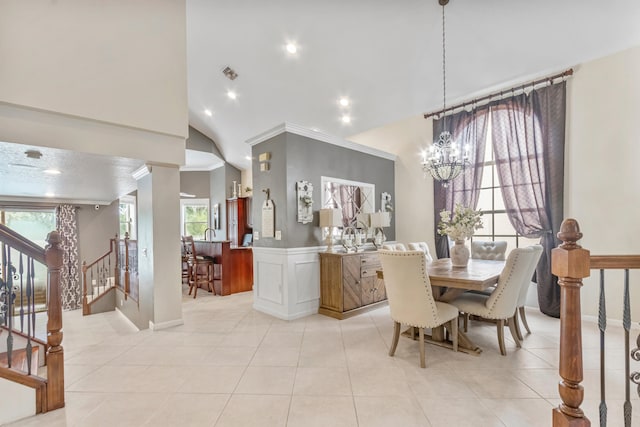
x=116 y=270
x=31 y=369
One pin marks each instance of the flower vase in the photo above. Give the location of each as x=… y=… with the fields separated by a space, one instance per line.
x=459 y=254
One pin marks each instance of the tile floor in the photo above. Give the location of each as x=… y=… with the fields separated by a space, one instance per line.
x=229 y=365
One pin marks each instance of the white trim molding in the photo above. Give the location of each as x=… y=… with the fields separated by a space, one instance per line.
x=317 y=135
x=165 y=325
x=286 y=281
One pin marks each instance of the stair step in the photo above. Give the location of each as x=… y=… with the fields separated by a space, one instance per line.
x=19 y=359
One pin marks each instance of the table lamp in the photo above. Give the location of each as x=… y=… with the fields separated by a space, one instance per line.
x=379 y=220
x=330 y=218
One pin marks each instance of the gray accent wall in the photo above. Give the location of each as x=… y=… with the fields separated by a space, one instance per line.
x=294 y=158
x=200 y=142
x=219 y=195
x=196 y=183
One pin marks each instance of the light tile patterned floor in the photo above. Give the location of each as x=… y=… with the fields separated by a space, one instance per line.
x=229 y=365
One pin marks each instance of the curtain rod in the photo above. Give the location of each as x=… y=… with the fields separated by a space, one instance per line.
x=501 y=93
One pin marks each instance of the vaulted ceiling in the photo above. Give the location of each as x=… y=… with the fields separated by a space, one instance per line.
x=384 y=56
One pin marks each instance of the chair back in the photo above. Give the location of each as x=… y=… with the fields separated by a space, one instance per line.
x=503 y=300
x=421 y=246
x=189 y=248
x=394 y=247
x=408 y=288
x=488 y=250
x=522 y=298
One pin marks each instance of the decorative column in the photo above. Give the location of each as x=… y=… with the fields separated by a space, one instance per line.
x=570 y=262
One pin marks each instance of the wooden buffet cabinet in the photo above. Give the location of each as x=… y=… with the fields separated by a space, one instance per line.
x=349 y=284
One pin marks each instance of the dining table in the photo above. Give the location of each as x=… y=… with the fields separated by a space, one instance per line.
x=448 y=282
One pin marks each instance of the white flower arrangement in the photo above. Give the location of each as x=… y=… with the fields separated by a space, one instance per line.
x=463 y=223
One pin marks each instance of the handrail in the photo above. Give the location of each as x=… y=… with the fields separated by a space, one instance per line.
x=21 y=244
x=615 y=262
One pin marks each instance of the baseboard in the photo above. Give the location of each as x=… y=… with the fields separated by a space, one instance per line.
x=133 y=325
x=165 y=325
x=279 y=315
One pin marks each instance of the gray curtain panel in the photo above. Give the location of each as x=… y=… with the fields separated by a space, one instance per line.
x=468 y=127
x=528 y=141
x=66 y=224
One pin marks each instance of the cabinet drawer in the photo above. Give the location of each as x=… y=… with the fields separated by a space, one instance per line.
x=369 y=271
x=369 y=260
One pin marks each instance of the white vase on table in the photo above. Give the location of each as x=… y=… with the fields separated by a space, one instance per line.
x=459 y=254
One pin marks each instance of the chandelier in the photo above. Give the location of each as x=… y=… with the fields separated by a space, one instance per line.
x=445 y=159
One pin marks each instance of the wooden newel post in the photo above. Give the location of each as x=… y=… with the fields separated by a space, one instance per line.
x=570 y=262
x=55 y=353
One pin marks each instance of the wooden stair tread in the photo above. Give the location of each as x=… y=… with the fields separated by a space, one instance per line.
x=19 y=359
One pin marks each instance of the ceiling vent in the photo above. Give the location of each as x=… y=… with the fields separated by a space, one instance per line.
x=229 y=73
x=33 y=154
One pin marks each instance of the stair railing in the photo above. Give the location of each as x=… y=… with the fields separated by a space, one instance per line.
x=571 y=263
x=17 y=278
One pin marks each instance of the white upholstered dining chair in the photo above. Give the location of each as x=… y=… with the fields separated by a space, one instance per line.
x=502 y=303
x=522 y=298
x=421 y=246
x=489 y=250
x=410 y=298
x=394 y=247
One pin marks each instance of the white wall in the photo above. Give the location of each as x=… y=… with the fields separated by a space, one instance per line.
x=602 y=170
x=121 y=62
x=19 y=401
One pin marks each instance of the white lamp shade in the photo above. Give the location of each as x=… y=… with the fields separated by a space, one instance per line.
x=380 y=219
x=363 y=219
x=330 y=218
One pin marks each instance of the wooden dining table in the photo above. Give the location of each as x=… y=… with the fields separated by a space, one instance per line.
x=447 y=283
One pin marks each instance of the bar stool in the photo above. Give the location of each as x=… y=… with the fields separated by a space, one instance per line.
x=200 y=268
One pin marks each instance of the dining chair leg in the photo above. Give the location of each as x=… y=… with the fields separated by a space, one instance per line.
x=517 y=322
x=512 y=328
x=454 y=333
x=466 y=322
x=500 y=326
x=396 y=337
x=523 y=316
x=421 y=344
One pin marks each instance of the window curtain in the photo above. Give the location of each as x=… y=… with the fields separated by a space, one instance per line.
x=67 y=225
x=468 y=127
x=528 y=141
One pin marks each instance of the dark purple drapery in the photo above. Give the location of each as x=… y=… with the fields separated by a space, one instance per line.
x=470 y=127
x=528 y=141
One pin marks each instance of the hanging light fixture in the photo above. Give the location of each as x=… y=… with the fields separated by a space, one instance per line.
x=445 y=159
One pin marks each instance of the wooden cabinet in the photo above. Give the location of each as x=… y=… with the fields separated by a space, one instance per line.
x=238 y=219
x=349 y=284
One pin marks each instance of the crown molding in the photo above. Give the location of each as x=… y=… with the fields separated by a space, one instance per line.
x=208 y=168
x=319 y=136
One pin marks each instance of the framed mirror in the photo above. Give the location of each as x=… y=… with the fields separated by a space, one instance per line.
x=351 y=197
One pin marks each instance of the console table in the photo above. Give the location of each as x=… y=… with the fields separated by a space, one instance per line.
x=349 y=284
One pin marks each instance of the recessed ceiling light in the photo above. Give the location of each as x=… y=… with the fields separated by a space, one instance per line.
x=346 y=119
x=52 y=171
x=292 y=48
x=344 y=102
x=50 y=194
x=231 y=94
x=208 y=113
x=247 y=157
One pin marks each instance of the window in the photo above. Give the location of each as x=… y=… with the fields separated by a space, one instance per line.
x=194 y=217
x=128 y=217
x=496 y=224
